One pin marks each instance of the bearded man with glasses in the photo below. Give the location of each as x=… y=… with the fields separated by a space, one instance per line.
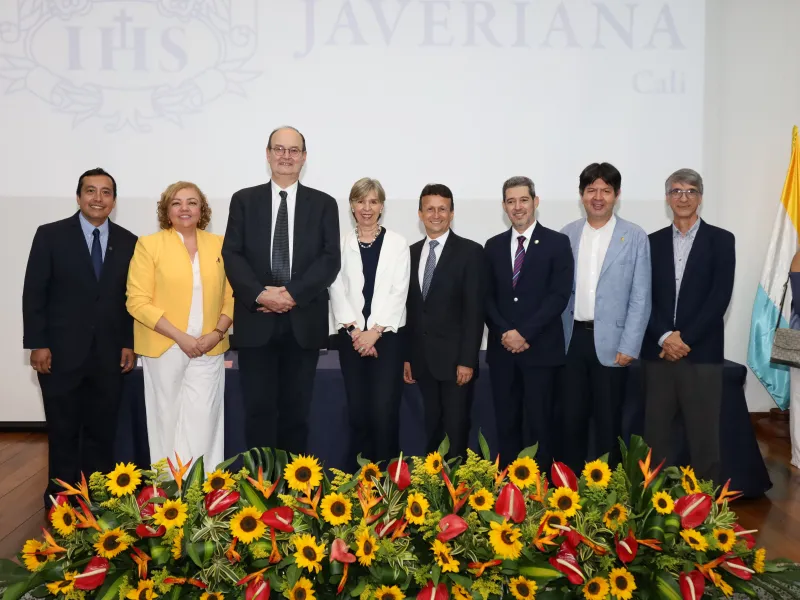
x=693 y=265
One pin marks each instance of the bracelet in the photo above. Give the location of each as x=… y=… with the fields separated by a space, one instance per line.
x=221 y=334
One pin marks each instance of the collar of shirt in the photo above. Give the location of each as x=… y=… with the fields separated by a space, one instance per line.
x=441 y=239
x=527 y=233
x=291 y=191
x=689 y=234
x=608 y=227
x=88 y=228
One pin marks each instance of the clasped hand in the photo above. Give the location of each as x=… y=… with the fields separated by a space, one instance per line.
x=514 y=342
x=674 y=348
x=364 y=342
x=195 y=347
x=275 y=299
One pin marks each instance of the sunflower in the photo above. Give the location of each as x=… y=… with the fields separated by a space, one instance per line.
x=504 y=539
x=123 y=479
x=337 y=509
x=212 y=596
x=247 y=525
x=565 y=500
x=663 y=503
x=595 y=589
x=144 y=591
x=433 y=463
x=615 y=516
x=308 y=554
x=622 y=584
x=444 y=559
x=63 y=519
x=460 y=592
x=366 y=547
x=689 y=481
x=695 y=540
x=481 y=500
x=303 y=472
x=597 y=474
x=302 y=590
x=523 y=472
x=218 y=480
x=369 y=472
x=65 y=586
x=758 y=560
x=523 y=589
x=725 y=539
x=177 y=545
x=386 y=592
x=31 y=555
x=171 y=513
x=112 y=542
x=416 y=508
x=552 y=518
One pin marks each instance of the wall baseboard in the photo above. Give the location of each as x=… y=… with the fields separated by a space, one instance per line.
x=23 y=426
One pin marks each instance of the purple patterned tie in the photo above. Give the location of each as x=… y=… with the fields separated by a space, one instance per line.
x=519 y=257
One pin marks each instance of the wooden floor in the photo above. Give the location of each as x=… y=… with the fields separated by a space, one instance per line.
x=23 y=475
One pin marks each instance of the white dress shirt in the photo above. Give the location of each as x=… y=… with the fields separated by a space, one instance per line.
x=291 y=202
x=426 y=249
x=515 y=244
x=591 y=254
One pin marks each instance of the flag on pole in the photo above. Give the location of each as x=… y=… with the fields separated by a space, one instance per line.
x=782 y=248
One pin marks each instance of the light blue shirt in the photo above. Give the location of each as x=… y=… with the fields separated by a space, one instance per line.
x=88 y=229
x=681 y=247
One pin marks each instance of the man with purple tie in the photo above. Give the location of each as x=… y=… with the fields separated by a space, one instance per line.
x=531 y=271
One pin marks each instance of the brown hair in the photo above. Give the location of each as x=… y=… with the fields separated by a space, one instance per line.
x=364 y=186
x=167 y=197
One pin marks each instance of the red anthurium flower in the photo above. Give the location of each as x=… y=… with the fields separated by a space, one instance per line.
x=433 y=593
x=693 y=509
x=280 y=518
x=627 y=548
x=220 y=500
x=563 y=476
x=692 y=585
x=566 y=561
x=746 y=535
x=258 y=589
x=736 y=566
x=451 y=526
x=510 y=503
x=93 y=575
x=399 y=473
x=147 y=531
x=340 y=551
x=384 y=529
x=146 y=508
x=573 y=539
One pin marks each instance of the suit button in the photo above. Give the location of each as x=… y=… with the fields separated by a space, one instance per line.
x=515 y=299
x=571 y=312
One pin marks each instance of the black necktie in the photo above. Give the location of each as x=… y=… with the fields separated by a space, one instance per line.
x=97 y=254
x=280 y=245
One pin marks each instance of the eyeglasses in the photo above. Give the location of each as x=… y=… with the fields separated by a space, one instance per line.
x=294 y=151
x=690 y=194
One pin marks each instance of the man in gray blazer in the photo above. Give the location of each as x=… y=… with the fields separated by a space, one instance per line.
x=605 y=320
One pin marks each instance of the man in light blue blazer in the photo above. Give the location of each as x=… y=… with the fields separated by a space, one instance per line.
x=605 y=320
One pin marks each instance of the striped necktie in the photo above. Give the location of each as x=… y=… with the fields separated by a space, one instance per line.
x=519 y=257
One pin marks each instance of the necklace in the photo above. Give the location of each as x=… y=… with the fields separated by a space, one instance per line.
x=368 y=245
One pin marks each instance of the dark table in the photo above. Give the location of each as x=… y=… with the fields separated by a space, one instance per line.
x=741 y=458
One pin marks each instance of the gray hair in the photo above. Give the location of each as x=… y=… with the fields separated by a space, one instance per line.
x=519 y=181
x=364 y=186
x=687 y=176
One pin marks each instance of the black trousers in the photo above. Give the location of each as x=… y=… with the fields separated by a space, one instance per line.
x=81 y=409
x=374 y=387
x=693 y=392
x=523 y=405
x=592 y=395
x=447 y=412
x=277 y=386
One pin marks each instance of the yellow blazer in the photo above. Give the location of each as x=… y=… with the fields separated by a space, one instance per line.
x=160 y=284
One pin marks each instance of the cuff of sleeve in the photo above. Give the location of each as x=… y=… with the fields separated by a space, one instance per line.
x=664 y=337
x=150 y=315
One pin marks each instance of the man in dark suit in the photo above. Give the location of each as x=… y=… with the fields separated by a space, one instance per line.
x=445 y=320
x=693 y=265
x=78 y=329
x=531 y=272
x=281 y=253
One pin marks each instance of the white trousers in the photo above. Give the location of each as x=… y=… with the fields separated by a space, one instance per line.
x=185 y=400
x=794 y=415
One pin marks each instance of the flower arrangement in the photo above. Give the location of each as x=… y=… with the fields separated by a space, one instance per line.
x=425 y=527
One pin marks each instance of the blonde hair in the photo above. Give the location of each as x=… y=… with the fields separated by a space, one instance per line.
x=364 y=186
x=169 y=194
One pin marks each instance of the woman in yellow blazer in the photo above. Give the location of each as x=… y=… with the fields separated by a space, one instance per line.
x=182 y=304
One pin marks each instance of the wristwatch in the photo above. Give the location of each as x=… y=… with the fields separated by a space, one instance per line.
x=350 y=329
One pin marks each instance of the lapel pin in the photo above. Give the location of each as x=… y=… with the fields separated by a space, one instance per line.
x=622 y=239
x=535 y=241
x=218 y=259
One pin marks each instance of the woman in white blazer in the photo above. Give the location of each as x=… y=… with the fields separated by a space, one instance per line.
x=368 y=306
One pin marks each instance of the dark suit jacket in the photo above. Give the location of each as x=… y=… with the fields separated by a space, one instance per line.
x=316 y=259
x=705 y=293
x=445 y=330
x=65 y=308
x=534 y=307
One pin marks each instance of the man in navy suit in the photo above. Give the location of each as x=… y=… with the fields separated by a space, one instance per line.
x=693 y=266
x=531 y=272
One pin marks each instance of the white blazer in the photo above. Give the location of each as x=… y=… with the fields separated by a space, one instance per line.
x=391 y=285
